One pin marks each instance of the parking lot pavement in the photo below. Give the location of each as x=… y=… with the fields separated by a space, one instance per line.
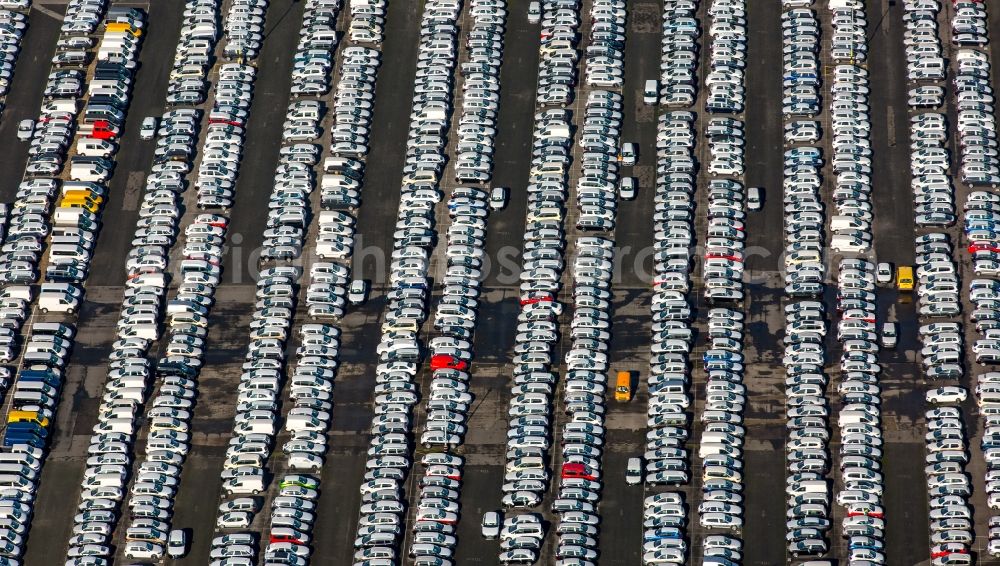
x=893 y=242
x=906 y=533
x=484 y=455
x=621 y=510
x=263 y=139
x=513 y=153
x=765 y=515
x=484 y=446
x=621 y=507
x=53 y=522
x=345 y=459
x=893 y=229
x=76 y=415
x=384 y=174
x=25 y=95
x=134 y=157
x=198 y=500
x=764 y=138
x=634 y=229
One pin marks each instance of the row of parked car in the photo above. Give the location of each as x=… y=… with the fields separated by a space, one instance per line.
x=727 y=58
x=526 y=476
x=859 y=419
x=477 y=125
x=195 y=53
x=244 y=29
x=606 y=52
x=980 y=164
x=948 y=486
x=800 y=73
x=805 y=327
x=340 y=188
x=678 y=85
x=850 y=125
x=314 y=59
x=78 y=213
x=294 y=180
x=721 y=447
x=50 y=140
x=340 y=195
x=587 y=361
x=978 y=156
x=33 y=404
x=12 y=29
x=807 y=412
x=669 y=373
x=599 y=181
x=153 y=491
x=367 y=21
x=434 y=532
x=924 y=60
x=557 y=59
x=398 y=349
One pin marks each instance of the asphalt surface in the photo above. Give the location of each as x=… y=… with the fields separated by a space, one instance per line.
x=24 y=97
x=494 y=338
x=620 y=536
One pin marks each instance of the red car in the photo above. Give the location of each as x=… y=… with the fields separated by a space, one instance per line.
x=535 y=298
x=441 y=361
x=287 y=539
x=102 y=134
x=860 y=514
x=725 y=257
x=226 y=122
x=983 y=247
x=576 y=470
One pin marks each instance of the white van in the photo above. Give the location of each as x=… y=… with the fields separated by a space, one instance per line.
x=147 y=331
x=808 y=486
x=136 y=394
x=841 y=243
x=243 y=485
x=91 y=147
x=124 y=426
x=88 y=172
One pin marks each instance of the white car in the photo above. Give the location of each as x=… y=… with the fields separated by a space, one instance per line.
x=25 y=129
x=358 y=292
x=147 y=130
x=883 y=273
x=491 y=524
x=143 y=550
x=498 y=198
x=633 y=471
x=948 y=394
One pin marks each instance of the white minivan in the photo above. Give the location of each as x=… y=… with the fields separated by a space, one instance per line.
x=58 y=302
